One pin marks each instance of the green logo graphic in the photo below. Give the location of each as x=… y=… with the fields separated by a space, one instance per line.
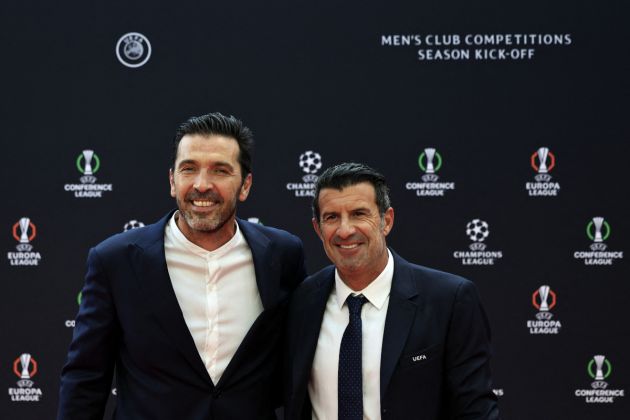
x=433 y=167
x=79 y=298
x=598 y=233
x=92 y=166
x=593 y=373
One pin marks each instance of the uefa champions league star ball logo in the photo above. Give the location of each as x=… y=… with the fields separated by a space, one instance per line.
x=132 y=224
x=133 y=49
x=477 y=230
x=310 y=162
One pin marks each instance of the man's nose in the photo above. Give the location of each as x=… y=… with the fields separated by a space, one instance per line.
x=346 y=228
x=203 y=182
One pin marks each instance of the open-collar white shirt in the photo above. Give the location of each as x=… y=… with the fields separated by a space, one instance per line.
x=216 y=291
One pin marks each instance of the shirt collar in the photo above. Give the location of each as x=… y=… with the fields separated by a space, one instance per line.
x=376 y=292
x=181 y=240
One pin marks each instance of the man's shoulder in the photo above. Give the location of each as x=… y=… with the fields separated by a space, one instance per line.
x=271 y=233
x=316 y=280
x=430 y=278
x=143 y=236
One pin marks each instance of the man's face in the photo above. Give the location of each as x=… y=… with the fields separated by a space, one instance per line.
x=353 y=231
x=206 y=182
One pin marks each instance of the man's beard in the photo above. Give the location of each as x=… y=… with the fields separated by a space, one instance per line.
x=205 y=222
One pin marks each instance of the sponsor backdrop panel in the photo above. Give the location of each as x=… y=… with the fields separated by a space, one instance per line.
x=500 y=127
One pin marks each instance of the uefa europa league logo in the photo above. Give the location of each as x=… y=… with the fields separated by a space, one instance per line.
x=25 y=367
x=598 y=230
x=88 y=163
x=430 y=161
x=24 y=225
x=599 y=362
x=542 y=295
x=543 y=162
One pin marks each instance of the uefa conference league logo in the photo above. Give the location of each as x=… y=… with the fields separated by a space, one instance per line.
x=599 y=369
x=542 y=161
x=310 y=162
x=88 y=163
x=24 y=231
x=598 y=231
x=544 y=299
x=478 y=231
x=133 y=50
x=430 y=161
x=25 y=368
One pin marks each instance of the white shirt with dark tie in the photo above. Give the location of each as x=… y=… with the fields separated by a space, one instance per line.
x=322 y=386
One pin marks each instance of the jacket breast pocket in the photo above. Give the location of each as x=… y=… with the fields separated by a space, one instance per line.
x=423 y=357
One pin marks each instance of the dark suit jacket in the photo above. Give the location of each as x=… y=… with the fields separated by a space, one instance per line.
x=130 y=320
x=435 y=354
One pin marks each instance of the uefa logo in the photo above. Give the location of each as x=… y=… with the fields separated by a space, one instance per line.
x=544 y=299
x=88 y=163
x=310 y=162
x=598 y=230
x=25 y=367
x=543 y=161
x=133 y=49
x=477 y=230
x=430 y=161
x=27 y=232
x=599 y=369
x=24 y=231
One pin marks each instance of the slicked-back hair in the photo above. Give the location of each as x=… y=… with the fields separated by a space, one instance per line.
x=348 y=174
x=218 y=124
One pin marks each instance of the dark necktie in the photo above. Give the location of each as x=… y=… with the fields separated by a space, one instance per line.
x=350 y=385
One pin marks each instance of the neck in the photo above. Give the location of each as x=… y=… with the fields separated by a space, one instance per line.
x=208 y=240
x=360 y=279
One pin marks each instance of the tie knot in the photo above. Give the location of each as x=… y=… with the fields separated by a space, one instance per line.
x=355 y=303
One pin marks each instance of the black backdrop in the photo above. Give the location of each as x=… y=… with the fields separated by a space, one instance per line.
x=329 y=77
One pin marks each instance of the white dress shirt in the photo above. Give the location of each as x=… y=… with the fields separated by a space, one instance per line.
x=217 y=294
x=322 y=386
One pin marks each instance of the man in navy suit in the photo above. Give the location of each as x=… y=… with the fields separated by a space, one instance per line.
x=375 y=336
x=188 y=311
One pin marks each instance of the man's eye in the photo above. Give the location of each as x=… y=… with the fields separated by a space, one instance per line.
x=221 y=171
x=187 y=169
x=330 y=217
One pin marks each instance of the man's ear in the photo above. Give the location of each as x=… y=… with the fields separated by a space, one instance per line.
x=247 y=184
x=316 y=227
x=388 y=221
x=171 y=180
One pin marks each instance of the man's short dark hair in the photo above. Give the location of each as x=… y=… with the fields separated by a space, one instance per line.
x=348 y=174
x=218 y=124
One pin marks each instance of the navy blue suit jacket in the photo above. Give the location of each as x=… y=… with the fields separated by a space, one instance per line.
x=130 y=321
x=436 y=346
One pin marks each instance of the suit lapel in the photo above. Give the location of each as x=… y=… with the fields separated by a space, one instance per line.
x=149 y=264
x=306 y=334
x=400 y=316
x=262 y=253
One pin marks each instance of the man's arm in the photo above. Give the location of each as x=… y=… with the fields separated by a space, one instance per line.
x=467 y=365
x=87 y=375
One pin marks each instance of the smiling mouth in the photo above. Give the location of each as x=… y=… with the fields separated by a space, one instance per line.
x=351 y=246
x=203 y=203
